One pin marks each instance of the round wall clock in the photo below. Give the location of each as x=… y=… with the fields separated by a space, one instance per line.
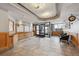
x=72 y=18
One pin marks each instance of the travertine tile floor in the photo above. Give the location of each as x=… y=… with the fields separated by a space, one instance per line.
x=35 y=46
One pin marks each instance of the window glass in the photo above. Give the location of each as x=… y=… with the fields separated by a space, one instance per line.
x=59 y=26
x=20 y=28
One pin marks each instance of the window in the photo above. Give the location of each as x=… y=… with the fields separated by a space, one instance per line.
x=20 y=28
x=59 y=26
x=37 y=29
x=26 y=28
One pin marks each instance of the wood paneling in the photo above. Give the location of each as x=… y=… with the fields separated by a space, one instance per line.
x=10 y=42
x=22 y=35
x=5 y=40
x=78 y=39
x=56 y=33
x=3 y=37
x=74 y=38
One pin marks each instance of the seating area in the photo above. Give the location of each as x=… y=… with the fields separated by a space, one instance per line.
x=65 y=37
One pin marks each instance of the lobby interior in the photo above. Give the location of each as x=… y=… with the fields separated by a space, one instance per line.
x=39 y=29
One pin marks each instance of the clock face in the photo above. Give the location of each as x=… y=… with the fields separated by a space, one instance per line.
x=72 y=18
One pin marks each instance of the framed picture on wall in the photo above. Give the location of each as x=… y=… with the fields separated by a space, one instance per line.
x=11 y=26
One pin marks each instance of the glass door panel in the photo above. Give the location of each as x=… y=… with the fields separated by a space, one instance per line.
x=37 y=29
x=46 y=29
x=41 y=29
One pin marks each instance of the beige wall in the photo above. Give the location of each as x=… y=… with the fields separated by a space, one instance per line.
x=3 y=21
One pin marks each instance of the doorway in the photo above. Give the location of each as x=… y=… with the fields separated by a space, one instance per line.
x=42 y=30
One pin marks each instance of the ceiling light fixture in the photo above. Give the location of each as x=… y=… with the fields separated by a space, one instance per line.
x=46 y=14
x=38 y=5
x=35 y=5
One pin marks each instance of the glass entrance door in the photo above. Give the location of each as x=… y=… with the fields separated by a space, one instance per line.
x=37 y=30
x=46 y=30
x=42 y=30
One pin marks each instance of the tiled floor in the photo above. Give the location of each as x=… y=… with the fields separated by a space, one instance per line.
x=35 y=46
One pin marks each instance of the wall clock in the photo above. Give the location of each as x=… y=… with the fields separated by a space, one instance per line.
x=72 y=18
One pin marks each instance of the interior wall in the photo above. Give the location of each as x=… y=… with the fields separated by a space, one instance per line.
x=3 y=21
x=66 y=12
x=13 y=20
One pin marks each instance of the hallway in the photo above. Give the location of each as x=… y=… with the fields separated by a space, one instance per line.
x=35 y=46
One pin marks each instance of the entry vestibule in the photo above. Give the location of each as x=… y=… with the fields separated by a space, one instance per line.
x=42 y=30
